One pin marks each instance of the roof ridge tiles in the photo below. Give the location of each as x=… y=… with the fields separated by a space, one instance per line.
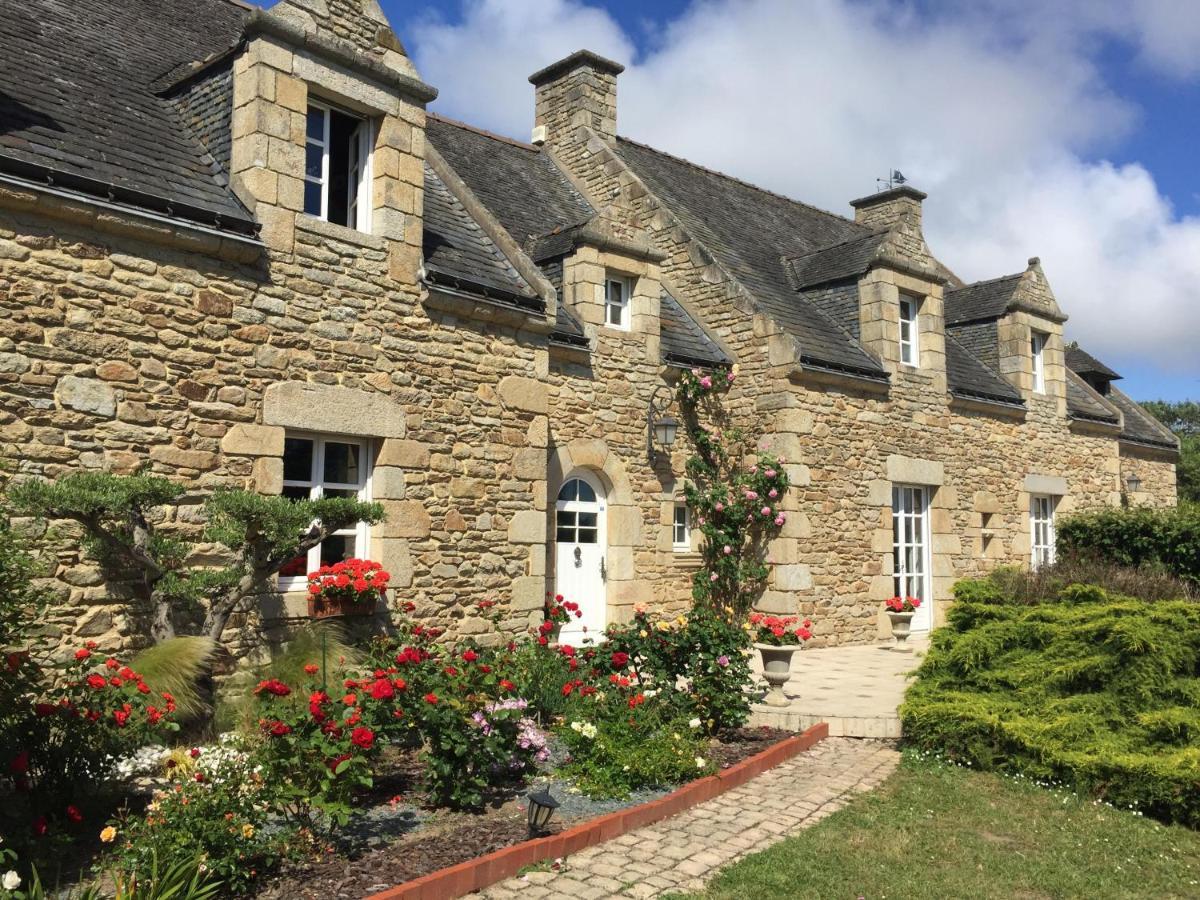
x=762 y=190
x=484 y=132
x=980 y=283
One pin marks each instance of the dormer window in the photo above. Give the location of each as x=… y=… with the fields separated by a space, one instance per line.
x=910 y=333
x=1037 y=348
x=617 y=292
x=337 y=163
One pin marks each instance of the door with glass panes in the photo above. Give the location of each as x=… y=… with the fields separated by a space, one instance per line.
x=579 y=555
x=910 y=550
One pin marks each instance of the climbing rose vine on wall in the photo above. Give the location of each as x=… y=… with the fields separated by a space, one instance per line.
x=734 y=493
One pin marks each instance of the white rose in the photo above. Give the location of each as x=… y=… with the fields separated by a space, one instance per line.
x=576 y=726
x=695 y=723
x=700 y=764
x=11 y=880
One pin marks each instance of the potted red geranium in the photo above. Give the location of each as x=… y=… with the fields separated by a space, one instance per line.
x=900 y=610
x=776 y=638
x=348 y=588
x=558 y=612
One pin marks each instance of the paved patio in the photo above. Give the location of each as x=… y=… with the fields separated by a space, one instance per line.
x=681 y=853
x=856 y=689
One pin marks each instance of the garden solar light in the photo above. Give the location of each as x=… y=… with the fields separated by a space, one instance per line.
x=541 y=808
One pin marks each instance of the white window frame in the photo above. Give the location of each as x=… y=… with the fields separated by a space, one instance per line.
x=317 y=487
x=910 y=344
x=912 y=560
x=1042 y=537
x=681 y=528
x=358 y=206
x=623 y=309
x=1037 y=349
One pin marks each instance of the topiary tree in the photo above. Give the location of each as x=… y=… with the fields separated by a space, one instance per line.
x=734 y=491
x=119 y=516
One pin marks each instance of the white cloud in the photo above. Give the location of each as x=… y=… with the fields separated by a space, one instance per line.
x=997 y=110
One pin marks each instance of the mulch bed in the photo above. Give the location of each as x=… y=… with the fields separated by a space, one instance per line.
x=426 y=841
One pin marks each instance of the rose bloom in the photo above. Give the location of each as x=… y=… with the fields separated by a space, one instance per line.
x=108 y=834
x=620 y=660
x=470 y=655
x=82 y=653
x=431 y=698
x=96 y=682
x=382 y=689
x=312 y=669
x=74 y=814
x=362 y=737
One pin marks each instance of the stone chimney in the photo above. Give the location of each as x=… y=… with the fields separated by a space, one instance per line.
x=578 y=90
x=885 y=209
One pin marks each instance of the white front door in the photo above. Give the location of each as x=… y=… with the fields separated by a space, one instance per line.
x=910 y=550
x=579 y=556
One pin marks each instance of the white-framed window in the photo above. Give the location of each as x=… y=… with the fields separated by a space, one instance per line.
x=317 y=466
x=910 y=542
x=1041 y=529
x=910 y=332
x=617 y=293
x=337 y=167
x=1037 y=349
x=681 y=532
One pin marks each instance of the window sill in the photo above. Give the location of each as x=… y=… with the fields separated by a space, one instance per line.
x=336 y=232
x=688 y=559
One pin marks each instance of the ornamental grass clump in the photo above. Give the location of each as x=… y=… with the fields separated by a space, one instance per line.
x=1098 y=691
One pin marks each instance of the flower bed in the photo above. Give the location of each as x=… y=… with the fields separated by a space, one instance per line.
x=451 y=855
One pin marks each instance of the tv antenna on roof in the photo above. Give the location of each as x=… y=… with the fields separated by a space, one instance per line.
x=895 y=179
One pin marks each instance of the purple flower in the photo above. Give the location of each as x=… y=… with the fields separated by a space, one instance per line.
x=722 y=661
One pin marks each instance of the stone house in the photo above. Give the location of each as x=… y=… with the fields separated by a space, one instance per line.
x=236 y=248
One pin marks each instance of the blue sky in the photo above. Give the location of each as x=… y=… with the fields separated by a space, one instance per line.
x=1064 y=130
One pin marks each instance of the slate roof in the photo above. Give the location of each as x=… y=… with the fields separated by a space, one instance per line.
x=751 y=231
x=77 y=98
x=980 y=300
x=1084 y=403
x=1079 y=360
x=849 y=259
x=458 y=252
x=1140 y=426
x=969 y=377
x=521 y=187
x=684 y=342
x=538 y=206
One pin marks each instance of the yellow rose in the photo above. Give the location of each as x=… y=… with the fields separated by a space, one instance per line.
x=108 y=835
x=642 y=633
x=247 y=831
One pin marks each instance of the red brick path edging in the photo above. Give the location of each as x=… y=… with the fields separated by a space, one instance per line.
x=483 y=871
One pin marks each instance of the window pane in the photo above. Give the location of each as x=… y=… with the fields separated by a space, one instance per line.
x=586 y=494
x=587 y=520
x=295 y=492
x=587 y=535
x=616 y=293
x=316 y=123
x=565 y=519
x=343 y=463
x=565 y=535
x=312 y=198
x=297 y=459
x=336 y=548
x=569 y=491
x=294 y=568
x=348 y=493
x=314 y=157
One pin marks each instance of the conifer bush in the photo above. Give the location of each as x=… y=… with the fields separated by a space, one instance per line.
x=1095 y=690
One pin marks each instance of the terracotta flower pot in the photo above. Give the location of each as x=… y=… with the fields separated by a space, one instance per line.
x=777 y=669
x=901 y=628
x=328 y=607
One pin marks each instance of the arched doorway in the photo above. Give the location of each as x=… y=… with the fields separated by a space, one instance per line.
x=580 y=544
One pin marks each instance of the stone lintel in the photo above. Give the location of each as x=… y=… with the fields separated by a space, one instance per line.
x=905 y=470
x=1054 y=485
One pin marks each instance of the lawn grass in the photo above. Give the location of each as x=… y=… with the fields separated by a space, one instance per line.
x=935 y=830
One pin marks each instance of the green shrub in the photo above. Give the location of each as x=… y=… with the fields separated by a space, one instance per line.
x=223 y=817
x=1096 y=690
x=620 y=740
x=1167 y=538
x=703 y=653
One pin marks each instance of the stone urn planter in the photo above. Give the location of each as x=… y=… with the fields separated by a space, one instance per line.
x=777 y=669
x=901 y=628
x=328 y=607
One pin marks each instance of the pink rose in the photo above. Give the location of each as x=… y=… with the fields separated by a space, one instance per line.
x=779 y=519
x=726 y=549
x=766 y=510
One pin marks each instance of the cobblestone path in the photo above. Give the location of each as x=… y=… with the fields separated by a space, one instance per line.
x=681 y=853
